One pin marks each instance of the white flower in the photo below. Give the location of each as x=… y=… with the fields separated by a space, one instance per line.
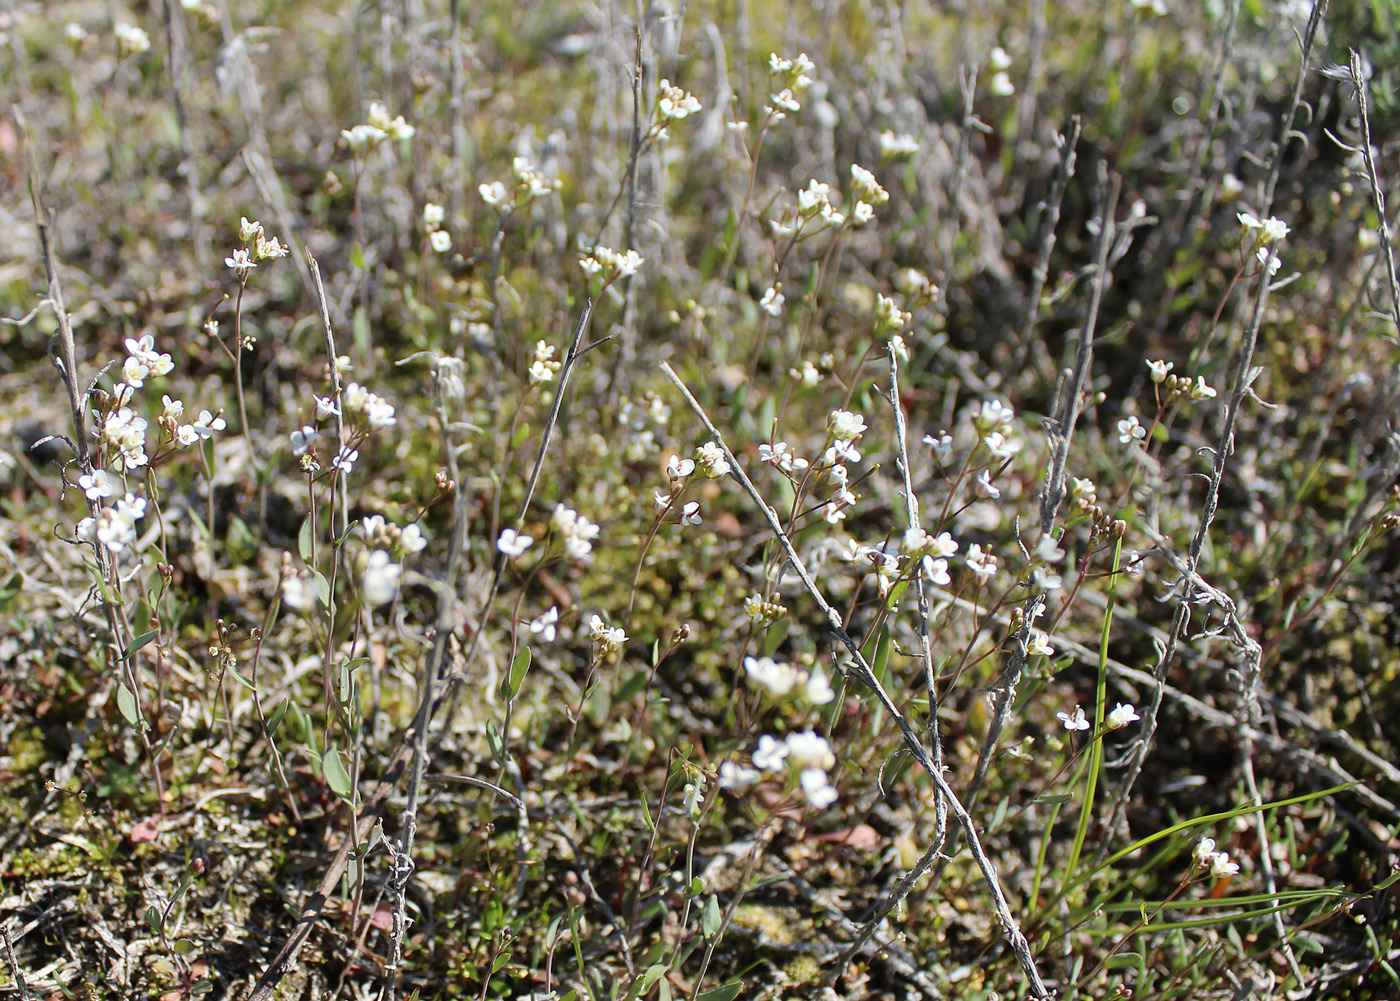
x=775 y=678
x=1122 y=715
x=841 y=450
x=1074 y=721
x=998 y=60
x=174 y=409
x=411 y=539
x=818 y=689
x=985 y=486
x=241 y=263
x=690 y=514
x=770 y=754
x=440 y=241
x=325 y=407
x=845 y=425
x=782 y=101
x=1046 y=580
x=1230 y=187
x=207 y=424
x=1039 y=646
x=944 y=545
x=1159 y=369
x=543 y=627
x=345 y=459
x=433 y=214
x=1269 y=261
x=936 y=571
x=299 y=590
x=1200 y=391
x=304 y=439
x=993 y=415
x=678 y=468
x=888 y=315
x=772 y=301
x=513 y=543
x=494 y=193
x=1130 y=430
x=1047 y=550
x=1221 y=866
x=99 y=484
x=817 y=788
x=736 y=778
x=1001 y=85
x=942 y=445
x=1000 y=446
x=381 y=578
x=809 y=750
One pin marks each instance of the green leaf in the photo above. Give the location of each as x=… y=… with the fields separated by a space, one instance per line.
x=276 y=718
x=239 y=677
x=521 y=433
x=140 y=641
x=306 y=539
x=518 y=669
x=726 y=992
x=153 y=919
x=710 y=918
x=183 y=946
x=500 y=962
x=323 y=588
x=696 y=887
x=629 y=688
x=11 y=590
x=336 y=775
x=126 y=702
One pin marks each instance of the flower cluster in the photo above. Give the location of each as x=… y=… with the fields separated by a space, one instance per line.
x=780 y=455
x=897 y=146
x=608 y=638
x=867 y=193
x=378 y=413
x=710 y=458
x=842 y=429
x=806 y=753
x=530 y=184
x=612 y=264
x=144 y=361
x=256 y=247
x=763 y=611
x=376 y=130
x=673 y=104
x=545 y=366
x=131 y=40
x=1179 y=385
x=789 y=78
x=113 y=526
x=123 y=431
x=438 y=238
x=1219 y=864
x=383 y=534
x=999 y=62
x=781 y=680
x=577 y=531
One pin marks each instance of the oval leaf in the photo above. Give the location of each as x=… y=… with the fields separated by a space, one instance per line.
x=336 y=775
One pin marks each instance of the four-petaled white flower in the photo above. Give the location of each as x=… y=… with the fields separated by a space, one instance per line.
x=543 y=627
x=772 y=301
x=241 y=263
x=1129 y=430
x=1121 y=716
x=1074 y=721
x=690 y=513
x=381 y=578
x=513 y=543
